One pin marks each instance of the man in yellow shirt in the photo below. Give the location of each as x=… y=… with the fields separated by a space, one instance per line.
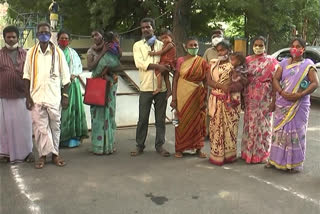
x=148 y=83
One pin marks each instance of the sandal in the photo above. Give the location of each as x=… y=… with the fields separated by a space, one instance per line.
x=163 y=152
x=40 y=163
x=201 y=154
x=268 y=165
x=58 y=161
x=137 y=152
x=178 y=155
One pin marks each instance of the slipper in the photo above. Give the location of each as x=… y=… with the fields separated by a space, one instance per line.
x=163 y=152
x=201 y=154
x=58 y=161
x=178 y=155
x=137 y=152
x=268 y=165
x=40 y=163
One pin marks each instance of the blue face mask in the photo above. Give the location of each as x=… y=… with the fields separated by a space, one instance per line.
x=44 y=37
x=152 y=40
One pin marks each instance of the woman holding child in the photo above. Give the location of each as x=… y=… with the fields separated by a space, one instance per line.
x=103 y=59
x=295 y=79
x=224 y=104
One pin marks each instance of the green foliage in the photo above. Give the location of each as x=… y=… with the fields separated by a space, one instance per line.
x=275 y=19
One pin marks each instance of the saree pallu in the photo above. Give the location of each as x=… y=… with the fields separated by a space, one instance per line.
x=224 y=119
x=103 y=118
x=73 y=119
x=191 y=96
x=291 y=119
x=257 y=126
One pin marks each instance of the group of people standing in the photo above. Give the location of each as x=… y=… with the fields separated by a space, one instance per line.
x=40 y=90
x=257 y=84
x=216 y=86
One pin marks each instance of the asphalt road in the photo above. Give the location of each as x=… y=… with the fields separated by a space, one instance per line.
x=120 y=184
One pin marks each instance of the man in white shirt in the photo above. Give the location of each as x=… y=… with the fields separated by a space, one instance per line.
x=46 y=72
x=148 y=83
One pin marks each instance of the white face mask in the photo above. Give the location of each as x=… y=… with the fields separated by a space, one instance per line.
x=12 y=47
x=216 y=41
x=223 y=58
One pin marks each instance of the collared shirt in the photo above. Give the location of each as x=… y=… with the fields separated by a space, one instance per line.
x=210 y=53
x=11 y=83
x=148 y=79
x=45 y=86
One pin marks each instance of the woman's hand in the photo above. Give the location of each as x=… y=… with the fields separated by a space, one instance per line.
x=272 y=106
x=73 y=77
x=291 y=96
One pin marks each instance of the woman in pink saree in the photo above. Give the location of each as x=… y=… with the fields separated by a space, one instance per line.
x=295 y=80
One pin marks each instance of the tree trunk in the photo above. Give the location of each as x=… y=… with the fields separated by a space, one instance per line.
x=181 y=24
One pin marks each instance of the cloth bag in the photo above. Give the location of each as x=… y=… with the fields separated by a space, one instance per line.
x=95 y=92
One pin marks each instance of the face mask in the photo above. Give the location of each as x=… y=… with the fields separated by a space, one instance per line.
x=223 y=58
x=44 y=37
x=258 y=50
x=216 y=41
x=152 y=40
x=63 y=43
x=12 y=47
x=193 y=51
x=296 y=52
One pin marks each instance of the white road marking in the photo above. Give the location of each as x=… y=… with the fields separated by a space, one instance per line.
x=287 y=189
x=34 y=208
x=204 y=166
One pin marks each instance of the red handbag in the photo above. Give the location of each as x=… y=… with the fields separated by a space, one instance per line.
x=95 y=92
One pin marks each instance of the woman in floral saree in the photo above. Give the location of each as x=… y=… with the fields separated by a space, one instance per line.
x=224 y=118
x=258 y=105
x=295 y=80
x=188 y=98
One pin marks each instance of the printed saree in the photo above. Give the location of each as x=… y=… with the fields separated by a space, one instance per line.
x=291 y=119
x=223 y=127
x=191 y=96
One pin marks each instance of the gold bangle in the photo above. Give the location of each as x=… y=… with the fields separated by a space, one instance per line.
x=65 y=95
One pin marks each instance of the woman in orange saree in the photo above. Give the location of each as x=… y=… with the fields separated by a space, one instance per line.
x=224 y=117
x=188 y=98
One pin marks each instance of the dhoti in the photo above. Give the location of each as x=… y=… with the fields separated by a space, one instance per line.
x=46 y=128
x=15 y=129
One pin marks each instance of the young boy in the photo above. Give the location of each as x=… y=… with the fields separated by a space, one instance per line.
x=168 y=57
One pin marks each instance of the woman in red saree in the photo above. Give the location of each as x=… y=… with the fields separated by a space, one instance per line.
x=188 y=98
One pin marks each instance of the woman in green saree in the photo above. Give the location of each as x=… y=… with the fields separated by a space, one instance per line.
x=73 y=119
x=103 y=117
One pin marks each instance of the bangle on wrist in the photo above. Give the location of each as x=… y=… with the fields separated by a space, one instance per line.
x=65 y=95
